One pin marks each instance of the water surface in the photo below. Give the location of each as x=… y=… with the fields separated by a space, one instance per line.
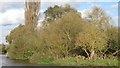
x=4 y=61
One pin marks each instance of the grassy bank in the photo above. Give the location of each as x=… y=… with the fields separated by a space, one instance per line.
x=71 y=61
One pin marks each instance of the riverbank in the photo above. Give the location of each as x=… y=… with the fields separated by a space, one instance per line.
x=86 y=62
x=69 y=61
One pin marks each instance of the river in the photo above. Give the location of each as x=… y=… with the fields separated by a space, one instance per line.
x=4 y=61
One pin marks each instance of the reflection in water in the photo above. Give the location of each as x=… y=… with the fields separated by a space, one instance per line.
x=4 y=61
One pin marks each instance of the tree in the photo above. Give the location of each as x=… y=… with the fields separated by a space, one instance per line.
x=113 y=41
x=23 y=43
x=11 y=36
x=32 y=13
x=53 y=13
x=99 y=17
x=23 y=39
x=57 y=40
x=91 y=40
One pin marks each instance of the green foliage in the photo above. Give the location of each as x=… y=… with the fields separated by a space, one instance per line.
x=113 y=36
x=23 y=43
x=65 y=30
x=91 y=39
x=57 y=39
x=68 y=34
x=55 y=12
x=13 y=33
x=2 y=48
x=113 y=41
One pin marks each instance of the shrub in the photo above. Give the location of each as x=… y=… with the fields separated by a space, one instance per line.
x=23 y=43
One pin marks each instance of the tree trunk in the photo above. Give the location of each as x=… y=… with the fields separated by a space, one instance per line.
x=86 y=53
x=92 y=55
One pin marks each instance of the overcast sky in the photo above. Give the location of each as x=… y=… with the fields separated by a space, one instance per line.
x=12 y=13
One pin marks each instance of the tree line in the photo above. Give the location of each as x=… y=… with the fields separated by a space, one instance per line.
x=65 y=33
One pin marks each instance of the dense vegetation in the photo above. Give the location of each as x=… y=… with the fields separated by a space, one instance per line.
x=66 y=34
x=3 y=48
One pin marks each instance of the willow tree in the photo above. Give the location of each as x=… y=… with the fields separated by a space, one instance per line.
x=92 y=41
x=32 y=13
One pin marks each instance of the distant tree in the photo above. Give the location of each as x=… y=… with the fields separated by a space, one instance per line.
x=99 y=18
x=3 y=49
x=53 y=13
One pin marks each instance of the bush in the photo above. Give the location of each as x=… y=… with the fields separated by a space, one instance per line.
x=23 y=43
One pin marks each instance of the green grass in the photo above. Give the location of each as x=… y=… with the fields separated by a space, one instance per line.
x=46 y=61
x=80 y=62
